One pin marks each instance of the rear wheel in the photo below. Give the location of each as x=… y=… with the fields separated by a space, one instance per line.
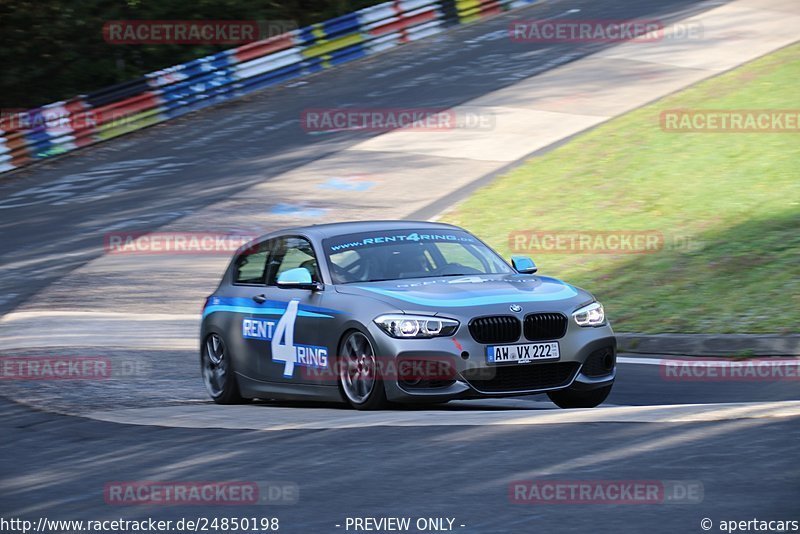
x=359 y=376
x=217 y=370
x=571 y=398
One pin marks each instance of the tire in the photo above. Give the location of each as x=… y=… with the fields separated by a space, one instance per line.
x=216 y=368
x=360 y=382
x=571 y=398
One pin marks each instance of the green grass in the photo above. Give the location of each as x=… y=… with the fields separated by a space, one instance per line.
x=735 y=196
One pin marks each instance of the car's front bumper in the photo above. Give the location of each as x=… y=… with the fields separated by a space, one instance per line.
x=587 y=361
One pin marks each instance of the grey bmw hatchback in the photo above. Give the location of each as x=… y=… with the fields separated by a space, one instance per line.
x=371 y=313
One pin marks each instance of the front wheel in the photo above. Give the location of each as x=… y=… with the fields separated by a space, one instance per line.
x=571 y=398
x=359 y=377
x=217 y=371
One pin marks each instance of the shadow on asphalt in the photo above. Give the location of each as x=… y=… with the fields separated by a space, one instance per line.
x=500 y=405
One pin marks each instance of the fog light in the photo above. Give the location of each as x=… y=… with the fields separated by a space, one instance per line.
x=608 y=361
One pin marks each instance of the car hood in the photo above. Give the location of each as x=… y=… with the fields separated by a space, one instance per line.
x=454 y=294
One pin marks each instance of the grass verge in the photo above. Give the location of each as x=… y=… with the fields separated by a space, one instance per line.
x=727 y=205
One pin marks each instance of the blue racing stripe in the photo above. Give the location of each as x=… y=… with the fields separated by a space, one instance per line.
x=269 y=307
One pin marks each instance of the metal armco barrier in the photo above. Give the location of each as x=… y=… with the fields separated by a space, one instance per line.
x=165 y=94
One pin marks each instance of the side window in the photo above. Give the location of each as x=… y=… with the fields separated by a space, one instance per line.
x=249 y=267
x=291 y=253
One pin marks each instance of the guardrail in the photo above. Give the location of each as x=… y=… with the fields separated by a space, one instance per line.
x=159 y=96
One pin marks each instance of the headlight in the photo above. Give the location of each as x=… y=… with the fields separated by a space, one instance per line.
x=591 y=315
x=420 y=326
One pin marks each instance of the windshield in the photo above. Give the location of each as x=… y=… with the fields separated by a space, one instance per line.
x=403 y=254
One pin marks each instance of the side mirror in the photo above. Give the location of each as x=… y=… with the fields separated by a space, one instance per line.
x=523 y=264
x=299 y=278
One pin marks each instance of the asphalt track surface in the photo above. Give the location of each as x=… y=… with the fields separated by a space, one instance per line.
x=57 y=466
x=58 y=453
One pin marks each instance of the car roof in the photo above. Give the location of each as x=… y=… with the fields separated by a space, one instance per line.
x=322 y=231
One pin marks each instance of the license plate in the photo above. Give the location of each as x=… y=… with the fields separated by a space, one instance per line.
x=522 y=353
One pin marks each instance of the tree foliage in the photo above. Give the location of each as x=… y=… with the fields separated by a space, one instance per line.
x=54 y=49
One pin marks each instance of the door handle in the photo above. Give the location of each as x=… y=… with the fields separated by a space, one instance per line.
x=261 y=299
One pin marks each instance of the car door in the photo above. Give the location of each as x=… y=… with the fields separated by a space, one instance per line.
x=296 y=351
x=249 y=315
